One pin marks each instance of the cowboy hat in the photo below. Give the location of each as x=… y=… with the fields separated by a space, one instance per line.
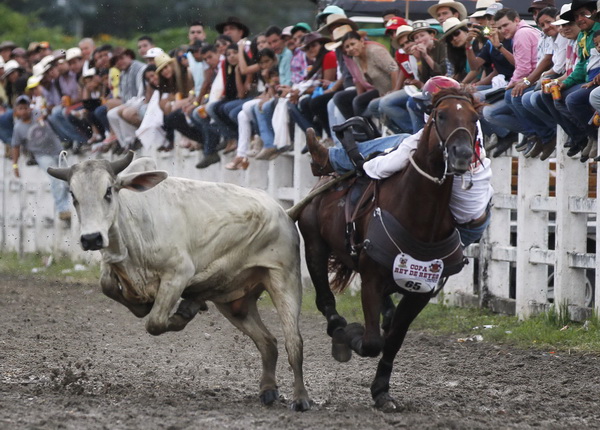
x=421 y=26
x=9 y=67
x=73 y=53
x=338 y=34
x=403 y=30
x=540 y=4
x=564 y=9
x=33 y=81
x=452 y=24
x=311 y=38
x=337 y=20
x=235 y=21
x=162 y=60
x=459 y=7
x=578 y=4
x=481 y=8
x=7 y=44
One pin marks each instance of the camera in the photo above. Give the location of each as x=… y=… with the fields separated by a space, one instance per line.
x=486 y=31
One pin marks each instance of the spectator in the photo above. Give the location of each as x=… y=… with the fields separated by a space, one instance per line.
x=196 y=32
x=87 y=47
x=6 y=48
x=538 y=5
x=445 y=9
x=39 y=139
x=299 y=64
x=507 y=113
x=572 y=110
x=152 y=53
x=234 y=28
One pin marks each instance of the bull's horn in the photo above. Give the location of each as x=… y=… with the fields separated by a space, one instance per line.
x=62 y=174
x=120 y=165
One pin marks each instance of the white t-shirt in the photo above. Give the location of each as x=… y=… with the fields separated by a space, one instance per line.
x=465 y=205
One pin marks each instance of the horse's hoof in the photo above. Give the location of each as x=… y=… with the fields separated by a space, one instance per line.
x=301 y=405
x=269 y=397
x=386 y=403
x=339 y=348
x=334 y=322
x=354 y=330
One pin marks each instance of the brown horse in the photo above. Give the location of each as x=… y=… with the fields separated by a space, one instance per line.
x=417 y=198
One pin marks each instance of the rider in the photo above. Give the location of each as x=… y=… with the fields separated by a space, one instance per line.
x=470 y=206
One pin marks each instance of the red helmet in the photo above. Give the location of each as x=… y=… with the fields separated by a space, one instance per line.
x=435 y=85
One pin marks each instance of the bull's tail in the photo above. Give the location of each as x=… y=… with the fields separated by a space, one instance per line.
x=295 y=211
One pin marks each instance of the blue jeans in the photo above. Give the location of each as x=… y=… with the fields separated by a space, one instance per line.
x=501 y=115
x=393 y=108
x=6 y=126
x=101 y=115
x=210 y=136
x=471 y=235
x=557 y=109
x=540 y=119
x=63 y=128
x=59 y=189
x=580 y=109
x=264 y=116
x=219 y=112
x=341 y=161
x=417 y=114
x=521 y=114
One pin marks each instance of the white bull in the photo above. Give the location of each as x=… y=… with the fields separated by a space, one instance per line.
x=163 y=239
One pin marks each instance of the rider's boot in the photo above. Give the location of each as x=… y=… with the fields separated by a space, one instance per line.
x=320 y=164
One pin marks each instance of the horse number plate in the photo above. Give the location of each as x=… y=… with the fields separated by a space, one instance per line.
x=416 y=276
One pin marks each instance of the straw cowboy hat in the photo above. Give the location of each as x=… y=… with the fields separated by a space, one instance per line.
x=481 y=7
x=403 y=30
x=460 y=8
x=452 y=24
x=336 y=19
x=419 y=26
x=338 y=34
x=162 y=60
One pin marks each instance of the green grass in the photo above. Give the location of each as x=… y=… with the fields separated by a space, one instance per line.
x=36 y=264
x=549 y=332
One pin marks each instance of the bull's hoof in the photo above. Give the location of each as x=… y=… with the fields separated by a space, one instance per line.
x=339 y=347
x=268 y=397
x=386 y=403
x=301 y=405
x=334 y=322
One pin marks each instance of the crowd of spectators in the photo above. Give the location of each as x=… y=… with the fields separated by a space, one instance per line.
x=244 y=91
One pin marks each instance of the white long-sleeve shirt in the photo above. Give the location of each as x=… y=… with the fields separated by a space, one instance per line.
x=465 y=205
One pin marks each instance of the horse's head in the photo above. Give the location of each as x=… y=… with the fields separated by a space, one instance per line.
x=452 y=128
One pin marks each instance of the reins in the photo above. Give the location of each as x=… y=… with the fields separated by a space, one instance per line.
x=441 y=142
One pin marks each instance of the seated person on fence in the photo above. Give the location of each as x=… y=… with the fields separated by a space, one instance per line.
x=470 y=207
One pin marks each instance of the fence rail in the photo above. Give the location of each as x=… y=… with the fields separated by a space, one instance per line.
x=540 y=234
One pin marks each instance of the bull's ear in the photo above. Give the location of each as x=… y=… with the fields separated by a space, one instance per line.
x=140 y=182
x=62 y=174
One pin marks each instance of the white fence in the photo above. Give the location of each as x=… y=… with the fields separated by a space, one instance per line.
x=535 y=240
x=509 y=272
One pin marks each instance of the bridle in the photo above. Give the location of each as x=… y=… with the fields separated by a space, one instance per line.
x=441 y=141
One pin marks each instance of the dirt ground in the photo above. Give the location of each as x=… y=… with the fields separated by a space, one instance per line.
x=70 y=358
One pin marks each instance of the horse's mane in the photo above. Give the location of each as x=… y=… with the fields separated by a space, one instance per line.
x=456 y=92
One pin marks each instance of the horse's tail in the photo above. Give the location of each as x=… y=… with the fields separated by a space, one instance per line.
x=295 y=211
x=343 y=275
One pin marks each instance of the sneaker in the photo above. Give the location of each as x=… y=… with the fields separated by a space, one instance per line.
x=208 y=159
x=536 y=149
x=504 y=145
x=491 y=142
x=524 y=144
x=577 y=147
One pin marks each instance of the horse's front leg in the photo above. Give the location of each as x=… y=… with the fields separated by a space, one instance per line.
x=409 y=307
x=367 y=341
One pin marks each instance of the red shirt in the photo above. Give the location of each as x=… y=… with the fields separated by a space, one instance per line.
x=403 y=61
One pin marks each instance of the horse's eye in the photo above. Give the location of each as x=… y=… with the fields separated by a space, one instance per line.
x=108 y=195
x=442 y=116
